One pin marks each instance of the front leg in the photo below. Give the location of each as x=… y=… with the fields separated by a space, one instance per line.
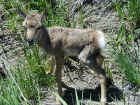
x=58 y=73
x=51 y=61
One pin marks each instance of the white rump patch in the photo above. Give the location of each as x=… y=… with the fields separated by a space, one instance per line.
x=101 y=40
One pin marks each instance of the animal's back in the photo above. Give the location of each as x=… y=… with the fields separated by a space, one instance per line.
x=72 y=41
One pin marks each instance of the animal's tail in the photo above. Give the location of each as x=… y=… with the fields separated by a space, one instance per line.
x=101 y=40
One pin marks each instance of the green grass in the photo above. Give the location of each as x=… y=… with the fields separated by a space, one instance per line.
x=130 y=12
x=20 y=86
x=23 y=84
x=126 y=51
x=129 y=68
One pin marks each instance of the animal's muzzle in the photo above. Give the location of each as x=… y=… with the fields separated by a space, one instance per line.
x=31 y=42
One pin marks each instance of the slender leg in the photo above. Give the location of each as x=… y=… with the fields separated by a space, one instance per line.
x=95 y=62
x=52 y=65
x=59 y=65
x=102 y=78
x=100 y=60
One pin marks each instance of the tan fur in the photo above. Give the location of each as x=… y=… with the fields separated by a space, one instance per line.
x=60 y=42
x=52 y=62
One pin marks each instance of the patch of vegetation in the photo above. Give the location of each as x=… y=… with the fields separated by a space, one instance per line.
x=126 y=50
x=128 y=68
x=23 y=83
x=130 y=12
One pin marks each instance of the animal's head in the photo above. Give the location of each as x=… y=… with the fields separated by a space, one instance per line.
x=33 y=24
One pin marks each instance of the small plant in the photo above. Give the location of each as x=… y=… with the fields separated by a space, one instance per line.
x=9 y=94
x=18 y=87
x=125 y=49
x=38 y=66
x=129 y=68
x=29 y=74
x=130 y=12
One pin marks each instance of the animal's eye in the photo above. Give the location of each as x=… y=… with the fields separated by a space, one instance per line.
x=38 y=28
x=32 y=26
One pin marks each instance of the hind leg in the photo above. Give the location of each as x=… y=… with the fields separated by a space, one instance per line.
x=100 y=60
x=102 y=78
x=94 y=63
x=101 y=75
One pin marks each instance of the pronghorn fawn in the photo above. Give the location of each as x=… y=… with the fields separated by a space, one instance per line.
x=86 y=44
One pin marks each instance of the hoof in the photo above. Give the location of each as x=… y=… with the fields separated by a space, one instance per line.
x=104 y=103
x=58 y=101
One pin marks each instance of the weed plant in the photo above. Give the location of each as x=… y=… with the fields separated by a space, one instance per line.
x=126 y=50
x=29 y=74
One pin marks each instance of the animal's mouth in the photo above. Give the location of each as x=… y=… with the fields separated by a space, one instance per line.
x=31 y=42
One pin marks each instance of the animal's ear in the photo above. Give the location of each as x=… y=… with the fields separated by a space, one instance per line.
x=44 y=15
x=20 y=12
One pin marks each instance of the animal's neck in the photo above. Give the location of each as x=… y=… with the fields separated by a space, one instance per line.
x=44 y=41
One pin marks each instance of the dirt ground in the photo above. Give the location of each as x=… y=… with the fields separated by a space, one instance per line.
x=79 y=79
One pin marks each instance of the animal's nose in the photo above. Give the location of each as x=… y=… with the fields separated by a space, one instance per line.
x=31 y=42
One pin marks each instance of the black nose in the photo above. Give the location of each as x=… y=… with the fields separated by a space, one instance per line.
x=30 y=42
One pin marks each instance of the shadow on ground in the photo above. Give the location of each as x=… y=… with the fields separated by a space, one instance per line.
x=92 y=94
